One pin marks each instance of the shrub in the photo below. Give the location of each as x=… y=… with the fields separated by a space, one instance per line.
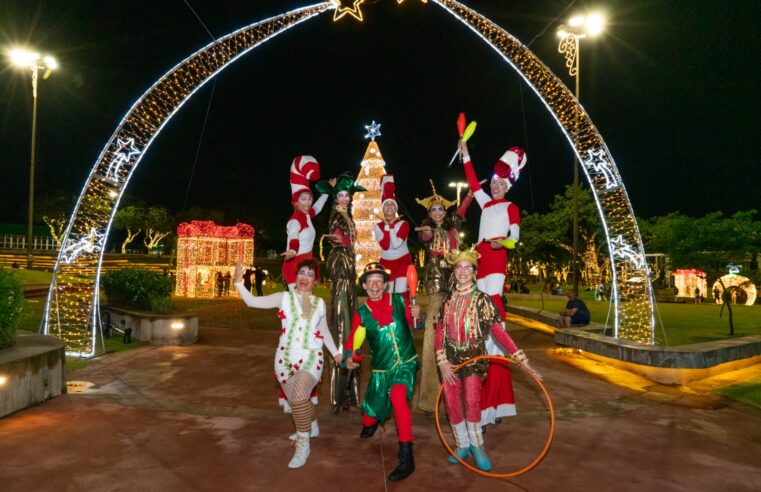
x=131 y=287
x=11 y=302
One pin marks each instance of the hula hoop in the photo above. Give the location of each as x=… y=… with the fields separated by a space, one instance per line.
x=523 y=470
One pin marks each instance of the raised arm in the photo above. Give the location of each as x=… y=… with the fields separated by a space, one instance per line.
x=266 y=302
x=317 y=206
x=470 y=175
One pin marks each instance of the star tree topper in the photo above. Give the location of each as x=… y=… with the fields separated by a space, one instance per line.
x=373 y=130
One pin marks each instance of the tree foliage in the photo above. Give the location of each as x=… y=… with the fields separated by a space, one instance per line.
x=132 y=220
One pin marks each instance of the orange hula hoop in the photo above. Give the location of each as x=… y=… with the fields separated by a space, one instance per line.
x=536 y=460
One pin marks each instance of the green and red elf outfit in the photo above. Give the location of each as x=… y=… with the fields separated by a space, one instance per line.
x=386 y=326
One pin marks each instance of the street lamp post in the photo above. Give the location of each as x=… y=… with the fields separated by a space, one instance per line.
x=34 y=62
x=459 y=185
x=579 y=27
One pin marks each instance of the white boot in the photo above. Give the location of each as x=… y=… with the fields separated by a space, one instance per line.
x=462 y=440
x=315 y=432
x=302 y=451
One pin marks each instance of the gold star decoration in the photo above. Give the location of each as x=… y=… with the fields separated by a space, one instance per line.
x=353 y=11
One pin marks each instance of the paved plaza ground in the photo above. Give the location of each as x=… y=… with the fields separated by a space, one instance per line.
x=205 y=418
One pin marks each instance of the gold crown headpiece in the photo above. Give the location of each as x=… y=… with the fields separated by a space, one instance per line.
x=434 y=199
x=470 y=255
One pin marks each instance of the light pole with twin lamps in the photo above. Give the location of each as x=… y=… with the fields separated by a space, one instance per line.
x=459 y=185
x=34 y=62
x=578 y=28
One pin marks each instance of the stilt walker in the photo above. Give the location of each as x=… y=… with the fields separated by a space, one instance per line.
x=440 y=233
x=342 y=234
x=391 y=233
x=300 y=230
x=499 y=230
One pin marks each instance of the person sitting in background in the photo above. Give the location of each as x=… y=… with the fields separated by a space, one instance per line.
x=575 y=312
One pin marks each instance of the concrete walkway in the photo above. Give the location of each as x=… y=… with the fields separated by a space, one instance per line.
x=205 y=418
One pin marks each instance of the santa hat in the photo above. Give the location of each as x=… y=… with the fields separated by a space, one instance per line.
x=388 y=189
x=509 y=166
x=303 y=170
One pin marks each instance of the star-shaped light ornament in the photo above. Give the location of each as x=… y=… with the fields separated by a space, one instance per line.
x=354 y=10
x=373 y=130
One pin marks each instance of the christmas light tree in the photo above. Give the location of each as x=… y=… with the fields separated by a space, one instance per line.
x=366 y=205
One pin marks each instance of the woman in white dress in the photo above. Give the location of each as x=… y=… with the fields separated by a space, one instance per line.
x=298 y=358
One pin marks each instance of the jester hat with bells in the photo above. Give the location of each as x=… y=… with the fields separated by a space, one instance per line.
x=304 y=169
x=509 y=166
x=435 y=199
x=344 y=182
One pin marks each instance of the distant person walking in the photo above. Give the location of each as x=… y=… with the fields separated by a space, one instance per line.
x=259 y=280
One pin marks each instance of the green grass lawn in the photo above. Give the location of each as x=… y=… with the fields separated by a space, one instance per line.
x=676 y=324
x=33 y=276
x=748 y=392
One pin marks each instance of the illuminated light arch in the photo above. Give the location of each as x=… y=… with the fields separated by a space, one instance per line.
x=71 y=311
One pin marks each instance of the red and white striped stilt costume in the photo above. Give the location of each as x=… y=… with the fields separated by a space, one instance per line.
x=500 y=220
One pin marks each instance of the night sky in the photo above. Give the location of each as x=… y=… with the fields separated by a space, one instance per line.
x=673 y=87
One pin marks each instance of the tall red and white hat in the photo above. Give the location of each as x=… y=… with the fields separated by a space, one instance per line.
x=303 y=170
x=388 y=190
x=509 y=166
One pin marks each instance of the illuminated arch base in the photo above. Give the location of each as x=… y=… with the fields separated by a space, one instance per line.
x=71 y=312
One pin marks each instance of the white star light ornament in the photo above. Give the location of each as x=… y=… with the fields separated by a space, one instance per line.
x=125 y=151
x=373 y=130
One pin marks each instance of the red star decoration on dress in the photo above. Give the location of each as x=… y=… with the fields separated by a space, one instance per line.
x=318 y=334
x=281 y=314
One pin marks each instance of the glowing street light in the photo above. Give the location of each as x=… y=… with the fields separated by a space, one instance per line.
x=578 y=27
x=33 y=61
x=459 y=185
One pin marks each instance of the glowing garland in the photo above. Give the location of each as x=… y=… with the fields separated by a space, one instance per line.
x=631 y=291
x=71 y=311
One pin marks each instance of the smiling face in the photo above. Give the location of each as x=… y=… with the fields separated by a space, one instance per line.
x=343 y=198
x=498 y=187
x=304 y=202
x=437 y=213
x=375 y=285
x=463 y=273
x=305 y=280
x=389 y=210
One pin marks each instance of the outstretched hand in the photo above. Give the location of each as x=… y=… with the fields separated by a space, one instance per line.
x=239 y=267
x=532 y=371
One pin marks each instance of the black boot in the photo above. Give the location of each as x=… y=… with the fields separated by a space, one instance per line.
x=406 y=462
x=368 y=432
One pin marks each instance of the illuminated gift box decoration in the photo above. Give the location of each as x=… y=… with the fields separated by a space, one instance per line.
x=686 y=281
x=205 y=248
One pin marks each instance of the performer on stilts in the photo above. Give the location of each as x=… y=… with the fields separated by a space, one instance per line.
x=391 y=233
x=499 y=230
x=300 y=230
x=342 y=234
x=467 y=317
x=384 y=321
x=298 y=358
x=440 y=233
